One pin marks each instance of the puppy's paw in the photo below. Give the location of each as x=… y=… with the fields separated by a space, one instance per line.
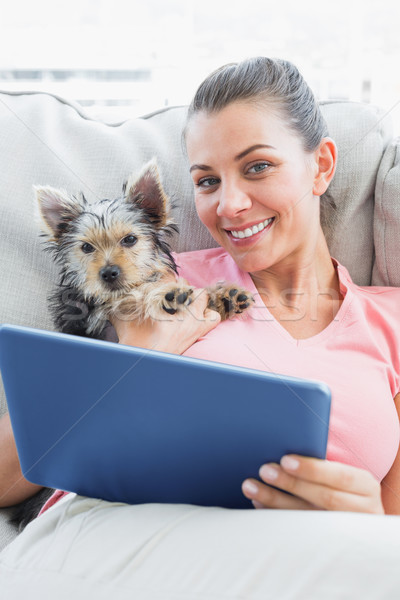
x=176 y=298
x=229 y=300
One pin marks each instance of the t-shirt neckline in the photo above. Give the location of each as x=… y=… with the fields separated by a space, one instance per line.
x=330 y=329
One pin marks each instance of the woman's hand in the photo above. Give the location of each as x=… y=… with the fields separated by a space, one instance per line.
x=172 y=333
x=315 y=484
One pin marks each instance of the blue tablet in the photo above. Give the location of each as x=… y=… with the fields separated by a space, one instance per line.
x=131 y=425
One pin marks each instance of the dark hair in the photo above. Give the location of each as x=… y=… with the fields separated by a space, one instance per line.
x=267 y=81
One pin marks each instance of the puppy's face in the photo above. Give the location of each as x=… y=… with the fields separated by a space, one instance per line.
x=107 y=248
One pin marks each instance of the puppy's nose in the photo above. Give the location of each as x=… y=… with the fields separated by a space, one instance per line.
x=110 y=273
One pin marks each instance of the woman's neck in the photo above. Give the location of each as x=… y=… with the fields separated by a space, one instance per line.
x=300 y=277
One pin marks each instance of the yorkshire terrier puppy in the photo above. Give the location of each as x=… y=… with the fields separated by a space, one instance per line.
x=115 y=259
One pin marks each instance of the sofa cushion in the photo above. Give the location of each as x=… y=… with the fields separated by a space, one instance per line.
x=85 y=548
x=387 y=218
x=361 y=133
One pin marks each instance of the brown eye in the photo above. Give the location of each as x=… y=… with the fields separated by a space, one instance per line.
x=129 y=241
x=87 y=248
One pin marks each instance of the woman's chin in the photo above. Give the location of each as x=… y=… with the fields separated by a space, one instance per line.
x=249 y=255
x=250 y=262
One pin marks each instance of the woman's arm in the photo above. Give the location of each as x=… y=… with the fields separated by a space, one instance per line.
x=13 y=486
x=391 y=483
x=321 y=484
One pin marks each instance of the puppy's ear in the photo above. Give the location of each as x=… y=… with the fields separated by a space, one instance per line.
x=55 y=209
x=146 y=191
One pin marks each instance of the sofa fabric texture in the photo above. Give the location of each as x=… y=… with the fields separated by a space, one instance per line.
x=85 y=549
x=387 y=218
x=45 y=140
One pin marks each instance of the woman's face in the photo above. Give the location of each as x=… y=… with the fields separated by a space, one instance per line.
x=253 y=185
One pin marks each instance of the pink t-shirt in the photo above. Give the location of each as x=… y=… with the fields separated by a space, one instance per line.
x=357 y=355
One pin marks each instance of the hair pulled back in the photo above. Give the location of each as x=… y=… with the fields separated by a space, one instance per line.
x=271 y=82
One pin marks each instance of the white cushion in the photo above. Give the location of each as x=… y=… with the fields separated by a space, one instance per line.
x=85 y=548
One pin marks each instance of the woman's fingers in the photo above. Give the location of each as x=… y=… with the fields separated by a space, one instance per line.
x=329 y=473
x=171 y=333
x=319 y=483
x=202 y=319
x=264 y=496
x=198 y=307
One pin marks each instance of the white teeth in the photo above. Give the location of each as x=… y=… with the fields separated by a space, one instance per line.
x=249 y=231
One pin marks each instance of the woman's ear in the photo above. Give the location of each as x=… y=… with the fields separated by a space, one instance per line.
x=325 y=159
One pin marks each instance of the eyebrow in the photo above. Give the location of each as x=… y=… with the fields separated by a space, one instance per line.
x=255 y=147
x=238 y=157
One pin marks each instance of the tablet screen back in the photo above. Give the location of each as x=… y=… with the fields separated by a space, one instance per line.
x=132 y=425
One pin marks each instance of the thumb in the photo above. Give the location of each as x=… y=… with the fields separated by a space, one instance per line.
x=212 y=318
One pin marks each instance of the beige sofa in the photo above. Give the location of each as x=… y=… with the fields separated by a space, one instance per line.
x=46 y=140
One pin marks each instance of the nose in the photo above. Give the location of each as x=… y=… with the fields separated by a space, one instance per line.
x=232 y=200
x=110 y=273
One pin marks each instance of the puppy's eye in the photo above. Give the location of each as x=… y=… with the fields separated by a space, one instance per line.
x=87 y=248
x=129 y=241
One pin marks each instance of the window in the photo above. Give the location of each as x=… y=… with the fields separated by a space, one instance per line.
x=122 y=58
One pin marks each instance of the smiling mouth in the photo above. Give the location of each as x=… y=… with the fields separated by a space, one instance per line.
x=250 y=231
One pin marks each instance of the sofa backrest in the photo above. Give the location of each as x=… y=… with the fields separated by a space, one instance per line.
x=48 y=141
x=386 y=270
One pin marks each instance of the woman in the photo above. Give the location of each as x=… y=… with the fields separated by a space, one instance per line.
x=260 y=159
